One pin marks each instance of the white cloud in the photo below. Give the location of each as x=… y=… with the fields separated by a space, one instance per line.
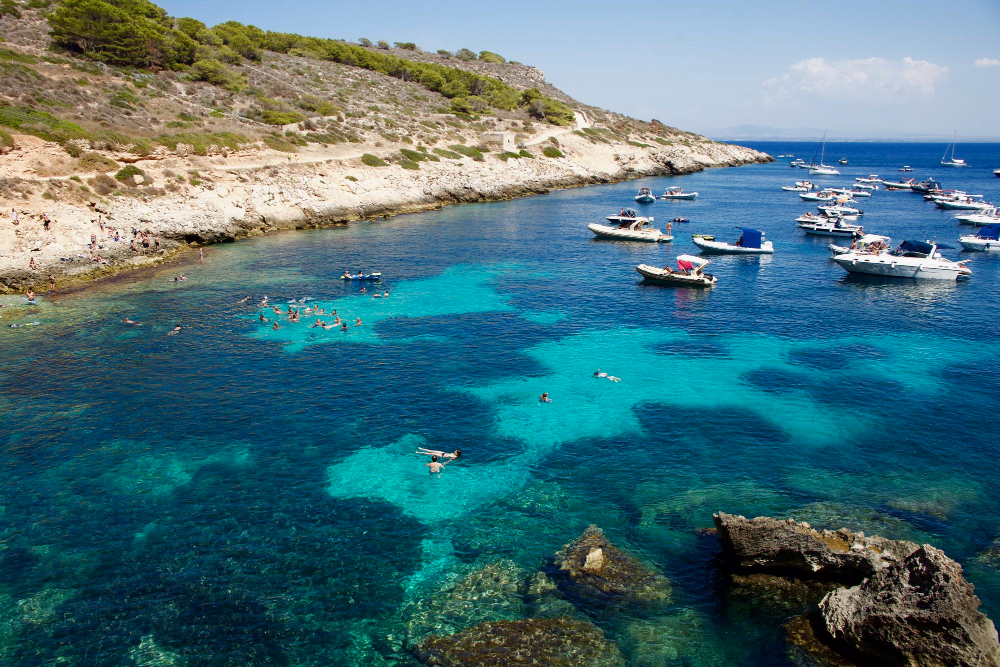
x=873 y=80
x=987 y=62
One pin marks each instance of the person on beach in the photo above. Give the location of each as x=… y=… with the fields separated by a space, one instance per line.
x=45 y=221
x=544 y=398
x=435 y=466
x=52 y=283
x=444 y=455
x=32 y=265
x=201 y=254
x=13 y=217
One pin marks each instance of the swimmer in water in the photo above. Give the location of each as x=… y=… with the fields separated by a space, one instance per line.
x=245 y=299
x=277 y=311
x=544 y=398
x=130 y=321
x=176 y=330
x=599 y=374
x=263 y=302
x=614 y=379
x=31 y=296
x=435 y=466
x=363 y=290
x=444 y=455
x=275 y=327
x=263 y=319
x=358 y=323
x=344 y=328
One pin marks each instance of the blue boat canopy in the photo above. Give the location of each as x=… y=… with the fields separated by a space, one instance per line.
x=751 y=237
x=990 y=233
x=916 y=246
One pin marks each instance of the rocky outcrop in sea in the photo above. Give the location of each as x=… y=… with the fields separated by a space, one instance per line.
x=910 y=605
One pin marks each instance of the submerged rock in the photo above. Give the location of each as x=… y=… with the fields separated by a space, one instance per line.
x=920 y=612
x=785 y=547
x=553 y=642
x=806 y=649
x=593 y=567
x=492 y=593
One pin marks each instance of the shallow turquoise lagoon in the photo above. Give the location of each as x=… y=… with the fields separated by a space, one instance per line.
x=235 y=494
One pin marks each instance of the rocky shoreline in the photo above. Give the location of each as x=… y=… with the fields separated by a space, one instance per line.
x=593 y=603
x=239 y=196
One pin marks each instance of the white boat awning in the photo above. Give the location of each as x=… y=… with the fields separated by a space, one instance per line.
x=694 y=259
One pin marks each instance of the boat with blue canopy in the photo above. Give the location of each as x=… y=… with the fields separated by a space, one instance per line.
x=751 y=242
x=986 y=240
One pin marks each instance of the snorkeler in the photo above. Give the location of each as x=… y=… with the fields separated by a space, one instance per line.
x=544 y=398
x=176 y=330
x=444 y=455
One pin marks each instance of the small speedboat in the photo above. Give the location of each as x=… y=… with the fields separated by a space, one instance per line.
x=912 y=259
x=964 y=203
x=996 y=172
x=680 y=220
x=678 y=193
x=989 y=216
x=866 y=186
x=690 y=272
x=360 y=275
x=822 y=195
x=800 y=186
x=906 y=167
x=831 y=228
x=841 y=210
x=626 y=215
x=867 y=243
x=634 y=230
x=843 y=160
x=905 y=184
x=870 y=179
x=645 y=196
x=988 y=239
x=751 y=242
x=930 y=185
x=797 y=163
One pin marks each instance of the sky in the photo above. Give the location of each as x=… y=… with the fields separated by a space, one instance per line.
x=913 y=67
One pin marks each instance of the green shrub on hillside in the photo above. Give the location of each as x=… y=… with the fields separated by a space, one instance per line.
x=467 y=152
x=9 y=8
x=200 y=141
x=91 y=161
x=279 y=143
x=638 y=144
x=272 y=117
x=408 y=164
x=451 y=155
x=40 y=124
x=364 y=41
x=17 y=57
x=382 y=44
x=316 y=105
x=465 y=54
x=373 y=161
x=217 y=74
x=6 y=141
x=524 y=153
x=409 y=46
x=417 y=156
x=551 y=151
x=490 y=57
x=127 y=172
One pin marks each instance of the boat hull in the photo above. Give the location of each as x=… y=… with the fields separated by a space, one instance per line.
x=614 y=233
x=665 y=277
x=889 y=266
x=645 y=199
x=720 y=248
x=692 y=195
x=978 y=244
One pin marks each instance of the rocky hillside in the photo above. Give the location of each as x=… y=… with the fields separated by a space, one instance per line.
x=236 y=130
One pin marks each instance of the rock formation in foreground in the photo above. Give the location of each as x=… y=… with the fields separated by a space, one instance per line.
x=786 y=547
x=918 y=612
x=593 y=567
x=911 y=606
x=551 y=641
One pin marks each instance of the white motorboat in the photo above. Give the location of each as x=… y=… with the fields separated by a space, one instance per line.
x=678 y=193
x=904 y=184
x=751 y=242
x=996 y=172
x=796 y=163
x=850 y=192
x=843 y=160
x=906 y=167
x=952 y=161
x=645 y=196
x=871 y=187
x=822 y=195
x=626 y=215
x=964 y=203
x=831 y=227
x=989 y=216
x=912 y=259
x=630 y=230
x=867 y=243
x=840 y=209
x=870 y=179
x=800 y=186
x=988 y=239
x=690 y=272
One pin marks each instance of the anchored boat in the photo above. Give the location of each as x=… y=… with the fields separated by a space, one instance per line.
x=678 y=193
x=751 y=242
x=952 y=161
x=912 y=259
x=988 y=239
x=867 y=243
x=645 y=196
x=630 y=230
x=690 y=272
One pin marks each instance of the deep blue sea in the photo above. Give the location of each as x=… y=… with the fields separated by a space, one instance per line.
x=238 y=495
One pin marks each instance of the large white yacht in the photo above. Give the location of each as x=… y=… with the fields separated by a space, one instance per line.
x=912 y=259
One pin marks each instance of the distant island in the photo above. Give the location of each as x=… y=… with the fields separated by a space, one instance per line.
x=129 y=134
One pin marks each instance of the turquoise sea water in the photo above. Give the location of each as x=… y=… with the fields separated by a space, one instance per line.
x=234 y=494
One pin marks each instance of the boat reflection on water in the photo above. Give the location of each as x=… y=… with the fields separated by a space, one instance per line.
x=893 y=292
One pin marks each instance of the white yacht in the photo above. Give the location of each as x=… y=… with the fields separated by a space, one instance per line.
x=829 y=227
x=840 y=209
x=952 y=161
x=963 y=203
x=751 y=242
x=870 y=179
x=912 y=259
x=904 y=184
x=690 y=272
x=990 y=216
x=988 y=239
x=867 y=243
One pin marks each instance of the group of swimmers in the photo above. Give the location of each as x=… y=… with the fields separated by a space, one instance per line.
x=544 y=398
x=438 y=459
x=295 y=314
